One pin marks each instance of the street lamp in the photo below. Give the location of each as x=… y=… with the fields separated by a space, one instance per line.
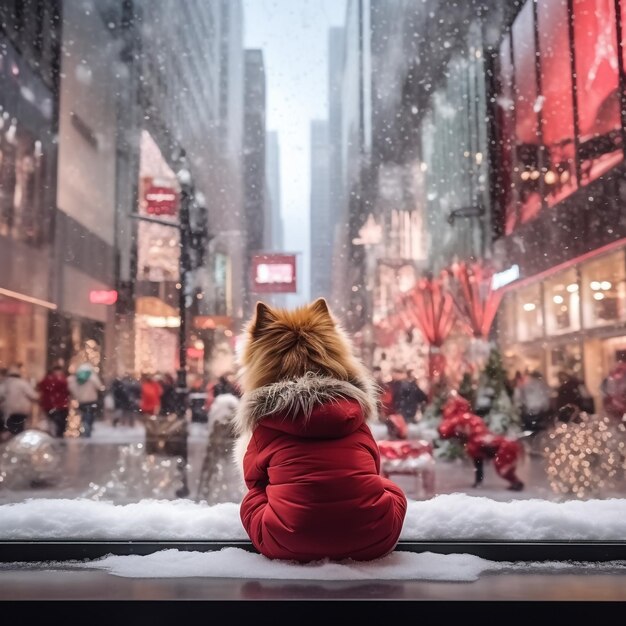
x=185 y=181
x=177 y=433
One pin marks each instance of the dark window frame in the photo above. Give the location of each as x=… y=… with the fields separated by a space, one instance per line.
x=31 y=551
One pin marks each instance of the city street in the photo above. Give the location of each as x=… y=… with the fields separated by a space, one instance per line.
x=91 y=463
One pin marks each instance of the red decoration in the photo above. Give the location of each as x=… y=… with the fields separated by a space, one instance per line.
x=432 y=310
x=480 y=443
x=475 y=301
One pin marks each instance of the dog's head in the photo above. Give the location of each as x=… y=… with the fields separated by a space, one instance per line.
x=284 y=345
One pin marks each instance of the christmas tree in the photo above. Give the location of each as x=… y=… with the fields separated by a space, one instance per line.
x=492 y=401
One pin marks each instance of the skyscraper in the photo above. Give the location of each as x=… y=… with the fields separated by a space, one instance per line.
x=321 y=241
x=254 y=160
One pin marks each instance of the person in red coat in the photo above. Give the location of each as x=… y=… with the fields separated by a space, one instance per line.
x=54 y=398
x=151 y=392
x=312 y=468
x=480 y=443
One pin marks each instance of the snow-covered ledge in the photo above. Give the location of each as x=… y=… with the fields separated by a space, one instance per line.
x=445 y=517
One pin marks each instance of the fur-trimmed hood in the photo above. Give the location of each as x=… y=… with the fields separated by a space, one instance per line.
x=299 y=397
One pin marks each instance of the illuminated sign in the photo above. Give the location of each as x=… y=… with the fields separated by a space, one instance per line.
x=211 y=322
x=160 y=198
x=101 y=296
x=505 y=277
x=274 y=273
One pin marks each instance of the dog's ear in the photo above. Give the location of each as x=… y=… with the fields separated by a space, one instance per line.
x=263 y=317
x=320 y=306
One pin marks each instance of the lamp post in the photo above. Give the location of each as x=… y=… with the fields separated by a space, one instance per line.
x=174 y=436
x=183 y=175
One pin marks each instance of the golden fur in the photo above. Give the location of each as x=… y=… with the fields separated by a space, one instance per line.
x=285 y=345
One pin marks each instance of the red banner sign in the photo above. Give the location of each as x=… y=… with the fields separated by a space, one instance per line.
x=103 y=296
x=274 y=273
x=159 y=197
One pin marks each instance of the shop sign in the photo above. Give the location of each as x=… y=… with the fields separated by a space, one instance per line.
x=211 y=322
x=274 y=273
x=102 y=296
x=160 y=198
x=505 y=277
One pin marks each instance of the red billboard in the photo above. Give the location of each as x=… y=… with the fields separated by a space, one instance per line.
x=274 y=273
x=159 y=197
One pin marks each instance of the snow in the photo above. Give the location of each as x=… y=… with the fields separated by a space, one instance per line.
x=444 y=517
x=238 y=563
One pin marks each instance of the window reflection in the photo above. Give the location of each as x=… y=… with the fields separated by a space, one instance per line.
x=562 y=303
x=529 y=313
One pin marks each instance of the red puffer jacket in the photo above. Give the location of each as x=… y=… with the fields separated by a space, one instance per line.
x=315 y=489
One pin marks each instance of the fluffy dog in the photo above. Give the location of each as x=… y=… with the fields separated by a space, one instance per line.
x=307 y=455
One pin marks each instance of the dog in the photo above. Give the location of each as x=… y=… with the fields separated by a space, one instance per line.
x=308 y=458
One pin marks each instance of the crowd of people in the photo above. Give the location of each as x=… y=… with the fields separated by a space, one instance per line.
x=127 y=399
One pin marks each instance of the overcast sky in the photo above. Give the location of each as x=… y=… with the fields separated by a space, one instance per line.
x=293 y=35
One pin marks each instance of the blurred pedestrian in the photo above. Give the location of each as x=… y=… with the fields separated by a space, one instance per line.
x=415 y=398
x=168 y=397
x=17 y=396
x=219 y=477
x=123 y=400
x=54 y=398
x=573 y=391
x=614 y=390
x=533 y=398
x=226 y=383
x=151 y=393
x=85 y=386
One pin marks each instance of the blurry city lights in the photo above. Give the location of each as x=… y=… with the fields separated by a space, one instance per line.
x=558 y=299
x=605 y=284
x=572 y=287
x=550 y=177
x=595 y=285
x=598 y=295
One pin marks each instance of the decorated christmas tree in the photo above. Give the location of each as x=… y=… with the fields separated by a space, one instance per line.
x=447 y=449
x=492 y=401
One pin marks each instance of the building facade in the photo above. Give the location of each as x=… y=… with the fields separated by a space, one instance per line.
x=254 y=163
x=30 y=43
x=321 y=228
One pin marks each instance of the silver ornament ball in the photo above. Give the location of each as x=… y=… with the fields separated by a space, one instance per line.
x=30 y=459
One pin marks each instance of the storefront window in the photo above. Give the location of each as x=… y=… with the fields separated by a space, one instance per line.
x=559 y=176
x=562 y=303
x=604 y=290
x=526 y=170
x=597 y=86
x=529 y=313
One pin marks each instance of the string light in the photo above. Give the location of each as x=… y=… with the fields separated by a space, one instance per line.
x=586 y=459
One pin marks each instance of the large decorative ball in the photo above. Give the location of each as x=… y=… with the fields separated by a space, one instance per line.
x=30 y=459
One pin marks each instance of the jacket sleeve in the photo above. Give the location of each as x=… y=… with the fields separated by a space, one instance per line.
x=254 y=502
x=254 y=475
x=372 y=446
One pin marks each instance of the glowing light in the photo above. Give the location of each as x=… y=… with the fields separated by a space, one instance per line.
x=572 y=287
x=529 y=306
x=558 y=299
x=598 y=295
x=605 y=284
x=595 y=285
x=550 y=177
